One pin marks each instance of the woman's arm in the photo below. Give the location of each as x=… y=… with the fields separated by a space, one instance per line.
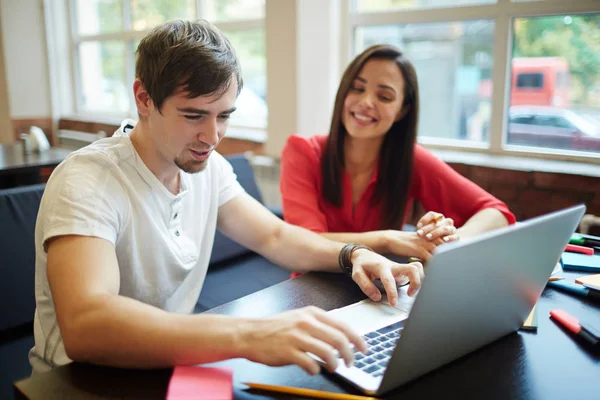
x=442 y=190
x=390 y=241
x=485 y=220
x=376 y=240
x=434 y=226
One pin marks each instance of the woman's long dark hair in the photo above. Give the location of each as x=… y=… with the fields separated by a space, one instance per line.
x=397 y=149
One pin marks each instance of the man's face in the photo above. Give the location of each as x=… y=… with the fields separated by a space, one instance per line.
x=187 y=130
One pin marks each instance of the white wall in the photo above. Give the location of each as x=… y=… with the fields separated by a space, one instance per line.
x=282 y=88
x=25 y=58
x=318 y=55
x=6 y=135
x=303 y=71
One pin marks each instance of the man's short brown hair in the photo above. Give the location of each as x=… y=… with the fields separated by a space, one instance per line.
x=193 y=55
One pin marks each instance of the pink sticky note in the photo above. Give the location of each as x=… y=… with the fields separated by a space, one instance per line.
x=200 y=383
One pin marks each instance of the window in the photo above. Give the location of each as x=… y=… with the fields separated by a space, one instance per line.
x=107 y=32
x=534 y=81
x=558 y=56
x=459 y=49
x=524 y=119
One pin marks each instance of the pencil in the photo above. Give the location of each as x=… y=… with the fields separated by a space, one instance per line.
x=317 y=394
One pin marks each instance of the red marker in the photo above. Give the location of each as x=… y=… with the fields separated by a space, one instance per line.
x=585 y=332
x=573 y=248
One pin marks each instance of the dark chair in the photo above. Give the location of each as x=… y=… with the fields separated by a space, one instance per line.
x=235 y=271
x=18 y=212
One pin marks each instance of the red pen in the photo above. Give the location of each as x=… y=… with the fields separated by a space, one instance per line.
x=573 y=248
x=585 y=332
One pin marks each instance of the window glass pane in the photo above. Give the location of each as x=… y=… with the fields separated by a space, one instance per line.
x=453 y=62
x=393 y=5
x=533 y=81
x=99 y=16
x=102 y=77
x=146 y=14
x=251 y=103
x=555 y=80
x=228 y=10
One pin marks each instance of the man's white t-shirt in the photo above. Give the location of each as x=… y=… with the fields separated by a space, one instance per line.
x=162 y=241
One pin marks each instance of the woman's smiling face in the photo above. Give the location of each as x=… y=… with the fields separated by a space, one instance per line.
x=374 y=101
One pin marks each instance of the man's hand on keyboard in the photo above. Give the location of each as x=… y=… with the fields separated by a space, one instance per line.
x=286 y=339
x=368 y=266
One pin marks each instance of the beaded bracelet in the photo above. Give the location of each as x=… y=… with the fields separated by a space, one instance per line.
x=345 y=256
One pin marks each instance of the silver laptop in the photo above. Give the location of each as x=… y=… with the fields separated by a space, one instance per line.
x=475 y=291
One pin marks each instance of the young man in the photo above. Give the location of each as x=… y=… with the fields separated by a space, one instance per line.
x=126 y=225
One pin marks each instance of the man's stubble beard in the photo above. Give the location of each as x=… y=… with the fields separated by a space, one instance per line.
x=190 y=166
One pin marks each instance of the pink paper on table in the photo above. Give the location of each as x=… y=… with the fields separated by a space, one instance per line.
x=200 y=383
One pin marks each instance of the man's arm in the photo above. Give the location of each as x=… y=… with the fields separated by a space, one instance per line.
x=391 y=241
x=100 y=327
x=248 y=222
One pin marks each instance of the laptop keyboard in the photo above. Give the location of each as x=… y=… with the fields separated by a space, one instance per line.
x=381 y=345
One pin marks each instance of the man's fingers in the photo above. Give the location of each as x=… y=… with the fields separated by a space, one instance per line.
x=389 y=283
x=325 y=352
x=365 y=284
x=331 y=338
x=351 y=335
x=414 y=272
x=306 y=362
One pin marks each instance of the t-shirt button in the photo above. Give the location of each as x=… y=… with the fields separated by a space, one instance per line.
x=175 y=216
x=176 y=233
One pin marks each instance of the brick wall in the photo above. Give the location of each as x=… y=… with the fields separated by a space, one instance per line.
x=532 y=193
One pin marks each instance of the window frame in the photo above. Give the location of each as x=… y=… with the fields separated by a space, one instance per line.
x=502 y=14
x=129 y=36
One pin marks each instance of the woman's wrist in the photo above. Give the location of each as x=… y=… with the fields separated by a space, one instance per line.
x=384 y=241
x=395 y=242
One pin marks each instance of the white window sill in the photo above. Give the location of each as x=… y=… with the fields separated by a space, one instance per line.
x=517 y=163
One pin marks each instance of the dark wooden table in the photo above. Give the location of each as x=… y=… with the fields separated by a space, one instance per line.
x=549 y=364
x=17 y=168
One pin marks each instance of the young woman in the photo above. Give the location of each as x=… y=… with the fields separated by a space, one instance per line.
x=356 y=184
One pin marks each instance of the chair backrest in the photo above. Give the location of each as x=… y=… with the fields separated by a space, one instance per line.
x=18 y=212
x=223 y=247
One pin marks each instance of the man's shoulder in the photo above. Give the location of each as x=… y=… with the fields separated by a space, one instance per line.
x=102 y=154
x=113 y=149
x=92 y=169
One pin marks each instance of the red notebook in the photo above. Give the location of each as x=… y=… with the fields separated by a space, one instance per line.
x=200 y=383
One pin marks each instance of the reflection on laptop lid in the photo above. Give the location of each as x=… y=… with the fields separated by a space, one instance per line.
x=475 y=292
